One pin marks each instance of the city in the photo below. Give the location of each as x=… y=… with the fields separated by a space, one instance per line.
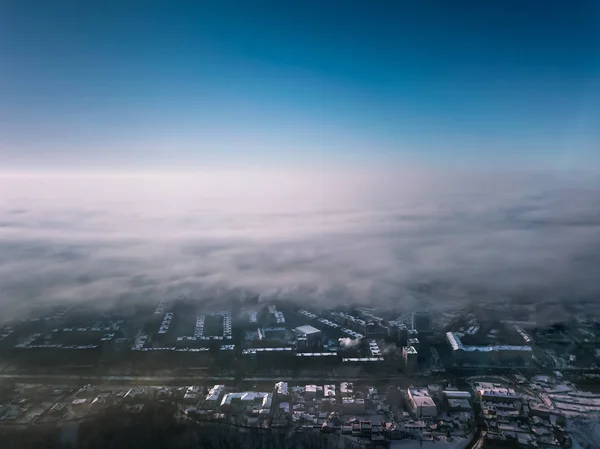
x=283 y=224
x=356 y=377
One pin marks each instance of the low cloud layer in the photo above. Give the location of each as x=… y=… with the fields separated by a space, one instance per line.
x=402 y=238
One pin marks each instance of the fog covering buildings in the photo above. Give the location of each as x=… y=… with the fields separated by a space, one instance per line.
x=182 y=334
x=254 y=347
x=422 y=322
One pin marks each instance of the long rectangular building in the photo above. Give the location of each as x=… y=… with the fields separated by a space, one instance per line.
x=488 y=354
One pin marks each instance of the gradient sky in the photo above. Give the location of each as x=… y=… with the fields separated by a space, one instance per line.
x=127 y=84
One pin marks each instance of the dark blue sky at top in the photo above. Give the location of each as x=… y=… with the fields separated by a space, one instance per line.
x=124 y=83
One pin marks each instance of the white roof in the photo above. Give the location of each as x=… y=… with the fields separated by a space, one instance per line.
x=457 y=394
x=316 y=354
x=307 y=329
x=215 y=392
x=457 y=345
x=249 y=396
x=423 y=401
x=282 y=387
x=329 y=390
x=362 y=359
x=308 y=314
x=346 y=387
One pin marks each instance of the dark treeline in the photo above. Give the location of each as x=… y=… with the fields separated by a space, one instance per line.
x=157 y=428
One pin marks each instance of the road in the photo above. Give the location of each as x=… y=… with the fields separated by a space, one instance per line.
x=179 y=380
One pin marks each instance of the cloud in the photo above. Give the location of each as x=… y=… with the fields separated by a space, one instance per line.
x=397 y=239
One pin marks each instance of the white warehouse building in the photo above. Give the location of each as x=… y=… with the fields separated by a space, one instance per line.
x=312 y=334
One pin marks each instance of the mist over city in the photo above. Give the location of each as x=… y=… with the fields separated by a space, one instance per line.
x=327 y=237
x=299 y=224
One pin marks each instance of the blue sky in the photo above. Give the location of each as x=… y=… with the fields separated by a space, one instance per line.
x=192 y=84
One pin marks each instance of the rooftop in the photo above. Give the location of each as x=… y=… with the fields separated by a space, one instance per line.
x=282 y=388
x=362 y=359
x=214 y=393
x=329 y=390
x=423 y=401
x=456 y=394
x=459 y=403
x=316 y=354
x=307 y=329
x=249 y=396
x=346 y=387
x=457 y=345
x=308 y=314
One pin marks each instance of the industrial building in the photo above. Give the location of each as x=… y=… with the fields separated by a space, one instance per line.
x=312 y=334
x=493 y=355
x=251 y=402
